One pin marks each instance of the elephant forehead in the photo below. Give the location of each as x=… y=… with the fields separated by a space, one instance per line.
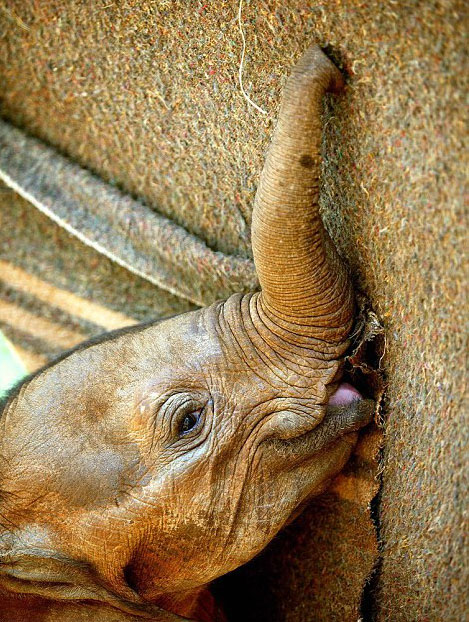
x=179 y=340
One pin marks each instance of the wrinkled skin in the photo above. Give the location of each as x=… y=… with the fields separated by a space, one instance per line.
x=137 y=469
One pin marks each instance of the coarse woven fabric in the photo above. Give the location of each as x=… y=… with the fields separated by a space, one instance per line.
x=145 y=95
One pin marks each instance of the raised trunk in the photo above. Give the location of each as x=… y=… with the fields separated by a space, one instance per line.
x=306 y=291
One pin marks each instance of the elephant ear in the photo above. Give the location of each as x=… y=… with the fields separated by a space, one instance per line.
x=306 y=290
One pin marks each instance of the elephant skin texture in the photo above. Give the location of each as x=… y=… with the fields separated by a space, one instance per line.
x=144 y=464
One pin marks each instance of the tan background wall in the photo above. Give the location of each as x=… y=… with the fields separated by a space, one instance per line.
x=145 y=94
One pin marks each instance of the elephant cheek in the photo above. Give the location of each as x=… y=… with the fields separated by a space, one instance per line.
x=314 y=474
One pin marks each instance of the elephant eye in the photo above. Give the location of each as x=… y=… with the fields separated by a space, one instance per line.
x=189 y=422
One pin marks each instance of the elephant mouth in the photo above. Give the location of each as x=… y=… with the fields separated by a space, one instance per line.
x=347 y=412
x=344 y=395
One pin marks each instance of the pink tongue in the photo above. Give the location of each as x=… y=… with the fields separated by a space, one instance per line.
x=345 y=394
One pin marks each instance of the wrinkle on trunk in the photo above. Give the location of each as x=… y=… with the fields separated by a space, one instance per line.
x=306 y=289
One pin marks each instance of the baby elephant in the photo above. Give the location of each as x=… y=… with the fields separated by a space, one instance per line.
x=142 y=465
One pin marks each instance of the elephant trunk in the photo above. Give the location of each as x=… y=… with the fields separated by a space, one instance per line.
x=306 y=290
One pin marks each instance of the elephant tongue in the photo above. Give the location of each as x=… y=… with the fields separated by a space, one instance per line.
x=345 y=394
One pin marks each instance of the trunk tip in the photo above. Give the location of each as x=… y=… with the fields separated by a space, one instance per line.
x=315 y=63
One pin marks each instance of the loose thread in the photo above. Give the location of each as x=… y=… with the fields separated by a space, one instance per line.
x=240 y=71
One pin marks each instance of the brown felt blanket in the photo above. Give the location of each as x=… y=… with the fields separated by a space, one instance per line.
x=144 y=95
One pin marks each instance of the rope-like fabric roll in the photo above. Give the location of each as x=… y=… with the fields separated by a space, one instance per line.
x=118 y=226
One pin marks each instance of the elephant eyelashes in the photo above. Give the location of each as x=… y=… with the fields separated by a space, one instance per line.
x=184 y=416
x=190 y=421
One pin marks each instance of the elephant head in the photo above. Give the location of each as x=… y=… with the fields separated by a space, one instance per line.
x=141 y=465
